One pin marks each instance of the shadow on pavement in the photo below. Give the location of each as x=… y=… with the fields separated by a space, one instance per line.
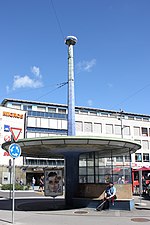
x=33 y=204
x=5 y=221
x=142 y=208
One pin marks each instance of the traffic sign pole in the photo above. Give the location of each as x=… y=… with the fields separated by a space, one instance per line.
x=13 y=192
x=10 y=171
x=15 y=152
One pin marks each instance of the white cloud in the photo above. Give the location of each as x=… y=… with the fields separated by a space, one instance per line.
x=36 y=71
x=26 y=81
x=86 y=65
x=90 y=102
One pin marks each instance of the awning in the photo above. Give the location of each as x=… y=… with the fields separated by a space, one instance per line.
x=45 y=147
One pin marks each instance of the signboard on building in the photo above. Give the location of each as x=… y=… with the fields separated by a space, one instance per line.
x=53 y=182
x=10 y=118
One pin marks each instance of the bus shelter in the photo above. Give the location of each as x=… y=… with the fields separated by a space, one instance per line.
x=72 y=148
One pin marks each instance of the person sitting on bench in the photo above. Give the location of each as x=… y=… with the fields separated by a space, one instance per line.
x=110 y=193
x=109 y=196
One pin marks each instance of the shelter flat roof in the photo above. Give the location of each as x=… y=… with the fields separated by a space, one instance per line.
x=46 y=147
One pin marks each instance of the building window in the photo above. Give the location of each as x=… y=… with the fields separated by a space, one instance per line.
x=104 y=114
x=138 y=157
x=109 y=129
x=130 y=117
x=51 y=110
x=53 y=124
x=16 y=106
x=145 y=144
x=44 y=123
x=76 y=111
x=87 y=127
x=118 y=129
x=93 y=113
x=41 y=109
x=62 y=111
x=126 y=130
x=146 y=119
x=136 y=131
x=64 y=124
x=44 y=162
x=84 y=112
x=149 y=131
x=138 y=141
x=127 y=158
x=113 y=115
x=47 y=115
x=98 y=128
x=138 y=118
x=27 y=107
x=145 y=157
x=79 y=126
x=45 y=131
x=31 y=122
x=144 y=131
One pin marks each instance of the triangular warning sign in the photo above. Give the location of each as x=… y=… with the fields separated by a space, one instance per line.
x=15 y=132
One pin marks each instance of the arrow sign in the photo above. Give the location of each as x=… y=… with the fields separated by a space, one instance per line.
x=14 y=150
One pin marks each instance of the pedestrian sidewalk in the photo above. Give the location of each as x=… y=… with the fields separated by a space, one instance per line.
x=83 y=216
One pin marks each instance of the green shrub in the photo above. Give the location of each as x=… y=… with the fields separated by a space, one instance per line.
x=10 y=187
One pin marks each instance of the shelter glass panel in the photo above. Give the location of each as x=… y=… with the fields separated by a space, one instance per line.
x=94 y=169
x=90 y=170
x=82 y=171
x=119 y=159
x=90 y=179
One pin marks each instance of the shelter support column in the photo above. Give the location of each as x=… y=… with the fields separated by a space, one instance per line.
x=71 y=177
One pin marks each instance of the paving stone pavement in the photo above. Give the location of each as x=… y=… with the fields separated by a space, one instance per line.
x=82 y=216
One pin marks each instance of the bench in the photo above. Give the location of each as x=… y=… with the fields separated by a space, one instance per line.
x=122 y=204
x=119 y=204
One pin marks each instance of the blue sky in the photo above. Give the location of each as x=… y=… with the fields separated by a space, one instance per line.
x=111 y=58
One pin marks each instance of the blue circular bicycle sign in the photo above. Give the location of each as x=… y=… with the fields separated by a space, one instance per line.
x=14 y=150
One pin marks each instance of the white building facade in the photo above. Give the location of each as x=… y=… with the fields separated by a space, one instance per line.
x=49 y=119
